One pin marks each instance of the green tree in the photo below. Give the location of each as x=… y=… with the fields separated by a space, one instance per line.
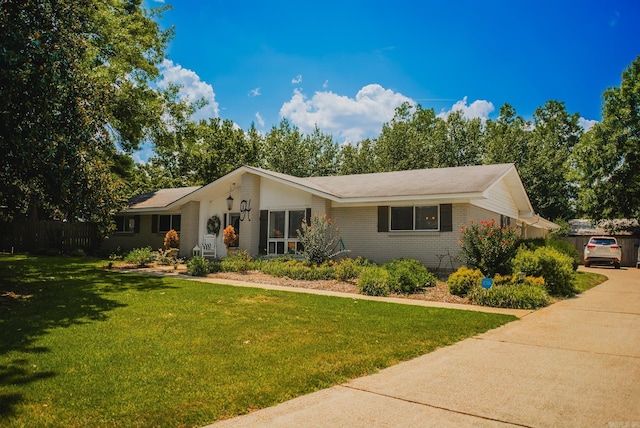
x=607 y=160
x=286 y=151
x=505 y=139
x=545 y=169
x=66 y=69
x=357 y=159
x=323 y=153
x=409 y=141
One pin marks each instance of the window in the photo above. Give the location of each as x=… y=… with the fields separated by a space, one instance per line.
x=125 y=224
x=164 y=223
x=283 y=231
x=505 y=221
x=415 y=218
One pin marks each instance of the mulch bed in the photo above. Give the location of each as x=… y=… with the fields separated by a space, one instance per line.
x=439 y=293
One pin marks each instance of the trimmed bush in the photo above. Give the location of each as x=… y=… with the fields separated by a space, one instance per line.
x=347 y=269
x=555 y=267
x=240 y=262
x=408 y=276
x=463 y=280
x=374 y=281
x=512 y=295
x=198 y=266
x=559 y=244
x=141 y=257
x=295 y=269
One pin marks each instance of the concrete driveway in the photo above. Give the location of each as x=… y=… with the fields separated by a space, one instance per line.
x=575 y=363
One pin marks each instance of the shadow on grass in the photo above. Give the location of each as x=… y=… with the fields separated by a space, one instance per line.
x=38 y=294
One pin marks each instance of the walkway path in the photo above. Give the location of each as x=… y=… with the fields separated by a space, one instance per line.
x=575 y=363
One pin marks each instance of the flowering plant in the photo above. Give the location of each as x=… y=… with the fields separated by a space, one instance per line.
x=319 y=239
x=489 y=247
x=229 y=236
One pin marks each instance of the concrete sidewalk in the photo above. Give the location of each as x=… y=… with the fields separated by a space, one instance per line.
x=575 y=363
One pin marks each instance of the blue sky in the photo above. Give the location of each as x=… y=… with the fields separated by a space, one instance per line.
x=345 y=65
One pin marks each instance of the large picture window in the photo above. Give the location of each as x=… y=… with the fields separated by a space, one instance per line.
x=283 y=231
x=415 y=218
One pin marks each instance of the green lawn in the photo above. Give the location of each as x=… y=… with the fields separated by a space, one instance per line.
x=83 y=346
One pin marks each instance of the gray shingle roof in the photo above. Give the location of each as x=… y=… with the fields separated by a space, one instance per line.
x=419 y=183
x=160 y=198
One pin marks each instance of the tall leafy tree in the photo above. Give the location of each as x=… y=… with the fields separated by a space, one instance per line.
x=607 y=158
x=506 y=138
x=408 y=141
x=323 y=153
x=65 y=67
x=357 y=158
x=545 y=169
x=286 y=151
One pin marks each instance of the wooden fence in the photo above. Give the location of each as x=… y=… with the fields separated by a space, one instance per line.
x=627 y=243
x=48 y=236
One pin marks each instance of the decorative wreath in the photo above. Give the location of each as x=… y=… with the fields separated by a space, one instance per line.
x=213 y=225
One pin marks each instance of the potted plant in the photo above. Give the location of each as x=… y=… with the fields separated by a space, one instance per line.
x=171 y=243
x=230 y=238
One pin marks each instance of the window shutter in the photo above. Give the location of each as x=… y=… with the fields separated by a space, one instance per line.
x=264 y=226
x=383 y=219
x=136 y=224
x=446 y=218
x=307 y=217
x=154 y=223
x=225 y=221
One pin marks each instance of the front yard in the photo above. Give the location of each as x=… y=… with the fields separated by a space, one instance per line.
x=83 y=346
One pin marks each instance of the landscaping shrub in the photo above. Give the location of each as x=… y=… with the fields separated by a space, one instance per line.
x=347 y=269
x=463 y=280
x=534 y=281
x=171 y=239
x=198 y=266
x=512 y=295
x=296 y=269
x=374 y=281
x=489 y=247
x=141 y=257
x=555 y=267
x=559 y=244
x=319 y=239
x=408 y=276
x=240 y=262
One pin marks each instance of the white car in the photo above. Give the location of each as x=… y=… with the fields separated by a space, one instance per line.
x=602 y=250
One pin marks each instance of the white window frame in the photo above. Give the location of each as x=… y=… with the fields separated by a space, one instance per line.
x=289 y=244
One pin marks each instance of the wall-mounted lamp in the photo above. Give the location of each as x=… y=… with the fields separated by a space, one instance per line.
x=229 y=202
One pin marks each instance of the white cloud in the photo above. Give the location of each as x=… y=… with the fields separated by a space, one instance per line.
x=325 y=85
x=192 y=88
x=477 y=109
x=348 y=119
x=255 y=92
x=297 y=79
x=260 y=119
x=586 y=124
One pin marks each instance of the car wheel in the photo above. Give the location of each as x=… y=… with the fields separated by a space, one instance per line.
x=586 y=264
x=616 y=265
